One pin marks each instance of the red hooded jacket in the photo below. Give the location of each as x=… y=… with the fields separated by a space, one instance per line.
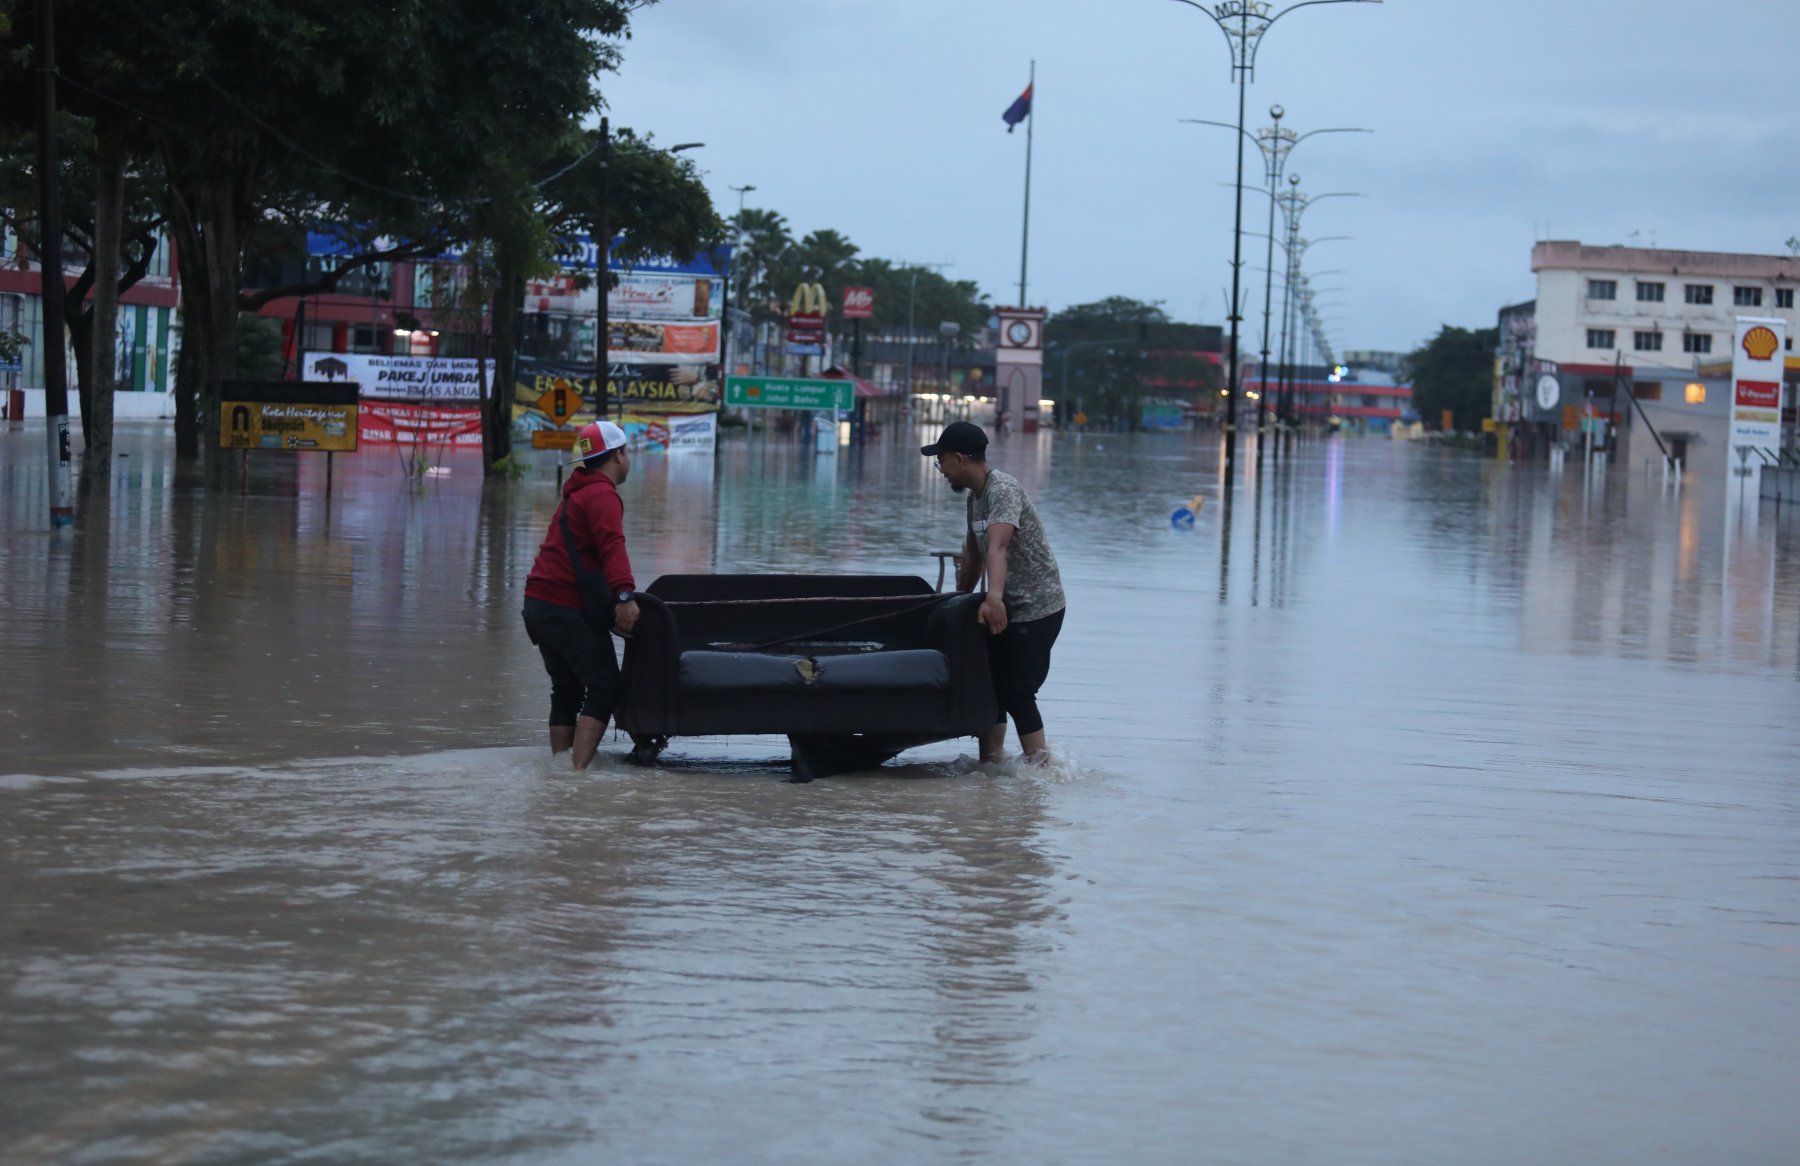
x=597 y=522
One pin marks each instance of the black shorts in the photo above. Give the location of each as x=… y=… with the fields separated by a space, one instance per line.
x=581 y=661
x=1019 y=659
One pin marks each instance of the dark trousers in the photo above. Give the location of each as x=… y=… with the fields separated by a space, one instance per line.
x=1019 y=659
x=583 y=667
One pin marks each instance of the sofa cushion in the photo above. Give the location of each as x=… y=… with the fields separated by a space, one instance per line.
x=907 y=670
x=742 y=672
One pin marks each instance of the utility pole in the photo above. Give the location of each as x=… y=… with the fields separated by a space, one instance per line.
x=50 y=269
x=737 y=238
x=602 y=341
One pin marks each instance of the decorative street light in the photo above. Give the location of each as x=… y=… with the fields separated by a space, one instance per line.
x=1244 y=23
x=1293 y=205
x=1275 y=143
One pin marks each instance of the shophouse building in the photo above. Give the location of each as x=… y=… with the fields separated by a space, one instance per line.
x=1624 y=340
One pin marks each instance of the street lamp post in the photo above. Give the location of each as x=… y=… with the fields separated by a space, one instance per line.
x=1293 y=204
x=1244 y=23
x=1275 y=143
x=912 y=296
x=602 y=367
x=737 y=240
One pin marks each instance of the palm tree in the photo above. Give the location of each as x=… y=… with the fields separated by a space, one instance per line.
x=765 y=241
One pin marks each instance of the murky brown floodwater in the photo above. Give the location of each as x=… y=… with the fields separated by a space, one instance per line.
x=1417 y=811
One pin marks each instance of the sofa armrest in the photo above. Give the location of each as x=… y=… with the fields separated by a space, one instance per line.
x=652 y=668
x=955 y=630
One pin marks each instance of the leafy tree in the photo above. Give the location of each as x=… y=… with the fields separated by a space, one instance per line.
x=764 y=240
x=1099 y=353
x=1454 y=370
x=266 y=115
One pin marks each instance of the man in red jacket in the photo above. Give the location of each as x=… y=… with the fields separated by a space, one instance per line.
x=584 y=553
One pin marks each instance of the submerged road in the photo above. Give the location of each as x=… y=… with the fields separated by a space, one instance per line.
x=1411 y=809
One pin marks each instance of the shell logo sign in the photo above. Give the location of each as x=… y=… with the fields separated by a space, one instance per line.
x=1760 y=342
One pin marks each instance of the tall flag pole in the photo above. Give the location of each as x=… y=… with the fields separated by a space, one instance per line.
x=1020 y=111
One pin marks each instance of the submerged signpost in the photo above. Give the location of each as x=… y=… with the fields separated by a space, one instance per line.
x=289 y=416
x=818 y=394
x=790 y=393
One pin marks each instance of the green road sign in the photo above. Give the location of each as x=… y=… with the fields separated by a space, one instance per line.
x=790 y=393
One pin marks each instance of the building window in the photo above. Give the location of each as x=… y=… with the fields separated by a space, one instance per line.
x=318 y=337
x=1647 y=341
x=1600 y=337
x=1784 y=297
x=365 y=339
x=1647 y=390
x=1696 y=394
x=1699 y=293
x=1746 y=297
x=1696 y=342
x=1603 y=289
x=1649 y=293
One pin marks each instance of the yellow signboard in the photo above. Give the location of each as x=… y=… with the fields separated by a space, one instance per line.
x=289 y=426
x=561 y=402
x=553 y=439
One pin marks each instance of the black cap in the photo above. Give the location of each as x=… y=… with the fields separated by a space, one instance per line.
x=958 y=437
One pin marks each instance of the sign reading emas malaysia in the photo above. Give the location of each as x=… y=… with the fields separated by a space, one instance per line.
x=1756 y=373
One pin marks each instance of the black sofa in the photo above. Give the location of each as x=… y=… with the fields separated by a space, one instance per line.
x=853 y=669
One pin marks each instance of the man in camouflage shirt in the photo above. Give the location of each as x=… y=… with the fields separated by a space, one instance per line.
x=1023 y=611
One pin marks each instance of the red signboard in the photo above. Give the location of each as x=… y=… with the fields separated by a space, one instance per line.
x=1759 y=394
x=403 y=423
x=806 y=328
x=859 y=303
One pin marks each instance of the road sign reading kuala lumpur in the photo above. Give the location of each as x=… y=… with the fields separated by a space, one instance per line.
x=789 y=393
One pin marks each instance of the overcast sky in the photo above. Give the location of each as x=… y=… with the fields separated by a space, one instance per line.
x=1496 y=124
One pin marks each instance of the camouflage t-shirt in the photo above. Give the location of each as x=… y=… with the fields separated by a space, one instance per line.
x=1033 y=584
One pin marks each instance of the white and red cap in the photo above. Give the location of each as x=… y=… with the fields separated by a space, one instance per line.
x=596 y=439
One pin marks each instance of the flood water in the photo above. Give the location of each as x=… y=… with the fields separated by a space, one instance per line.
x=1411 y=809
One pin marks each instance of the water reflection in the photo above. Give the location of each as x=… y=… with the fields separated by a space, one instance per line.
x=415 y=958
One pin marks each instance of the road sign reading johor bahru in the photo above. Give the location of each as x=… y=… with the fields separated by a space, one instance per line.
x=789 y=393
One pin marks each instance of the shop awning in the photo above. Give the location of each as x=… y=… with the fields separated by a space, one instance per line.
x=863 y=388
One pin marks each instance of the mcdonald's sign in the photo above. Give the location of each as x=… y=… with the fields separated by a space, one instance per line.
x=809 y=300
x=806 y=319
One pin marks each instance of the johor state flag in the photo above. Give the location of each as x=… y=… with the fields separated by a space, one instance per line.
x=1018 y=111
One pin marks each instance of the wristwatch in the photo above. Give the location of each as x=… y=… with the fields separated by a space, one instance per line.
x=622 y=597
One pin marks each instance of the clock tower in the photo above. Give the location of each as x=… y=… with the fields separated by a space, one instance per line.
x=1019 y=367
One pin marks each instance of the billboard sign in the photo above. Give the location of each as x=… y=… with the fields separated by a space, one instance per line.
x=1756 y=378
x=859 y=303
x=400 y=378
x=298 y=417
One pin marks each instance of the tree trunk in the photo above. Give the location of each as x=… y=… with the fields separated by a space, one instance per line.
x=79 y=320
x=496 y=421
x=188 y=370
x=103 y=319
x=205 y=216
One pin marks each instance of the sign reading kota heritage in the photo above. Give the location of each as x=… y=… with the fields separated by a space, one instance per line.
x=299 y=417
